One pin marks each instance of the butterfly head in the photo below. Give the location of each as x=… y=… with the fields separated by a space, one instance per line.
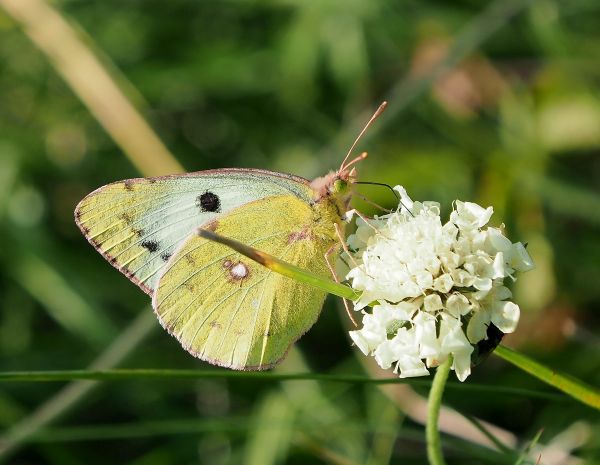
x=337 y=184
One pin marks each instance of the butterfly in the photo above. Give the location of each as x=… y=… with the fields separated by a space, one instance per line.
x=222 y=307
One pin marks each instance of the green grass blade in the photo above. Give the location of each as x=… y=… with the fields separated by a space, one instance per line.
x=406 y=91
x=69 y=396
x=525 y=453
x=269 y=446
x=318 y=449
x=74 y=59
x=575 y=388
x=61 y=301
x=238 y=426
x=481 y=427
x=171 y=374
x=281 y=267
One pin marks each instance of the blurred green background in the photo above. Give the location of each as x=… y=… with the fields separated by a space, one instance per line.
x=497 y=103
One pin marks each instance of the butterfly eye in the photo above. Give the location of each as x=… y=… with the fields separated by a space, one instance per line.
x=339 y=186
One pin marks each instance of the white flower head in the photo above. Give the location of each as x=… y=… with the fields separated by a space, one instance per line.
x=434 y=287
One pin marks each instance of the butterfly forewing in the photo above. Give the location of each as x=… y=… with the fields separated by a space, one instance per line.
x=232 y=312
x=138 y=224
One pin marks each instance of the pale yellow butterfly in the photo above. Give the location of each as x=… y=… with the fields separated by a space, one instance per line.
x=222 y=307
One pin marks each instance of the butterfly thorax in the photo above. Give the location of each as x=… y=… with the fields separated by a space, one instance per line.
x=326 y=215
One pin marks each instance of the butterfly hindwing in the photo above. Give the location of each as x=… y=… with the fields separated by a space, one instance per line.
x=138 y=224
x=233 y=312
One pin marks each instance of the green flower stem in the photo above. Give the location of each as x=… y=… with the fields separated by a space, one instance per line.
x=432 y=432
x=585 y=393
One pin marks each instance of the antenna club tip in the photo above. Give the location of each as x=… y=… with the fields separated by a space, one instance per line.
x=363 y=155
x=379 y=110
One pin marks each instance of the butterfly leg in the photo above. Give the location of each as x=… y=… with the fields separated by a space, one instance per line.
x=327 y=255
x=370 y=202
x=343 y=242
x=362 y=217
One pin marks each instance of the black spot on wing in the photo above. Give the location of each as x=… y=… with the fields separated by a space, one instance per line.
x=165 y=256
x=209 y=202
x=151 y=246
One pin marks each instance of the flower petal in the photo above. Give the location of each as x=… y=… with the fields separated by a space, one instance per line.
x=365 y=340
x=505 y=315
x=411 y=366
x=469 y=215
x=498 y=241
x=385 y=355
x=432 y=303
x=425 y=334
x=458 y=305
x=477 y=327
x=452 y=337
x=521 y=261
x=462 y=365
x=443 y=283
x=405 y=200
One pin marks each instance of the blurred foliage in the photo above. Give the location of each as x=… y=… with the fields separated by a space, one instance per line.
x=278 y=84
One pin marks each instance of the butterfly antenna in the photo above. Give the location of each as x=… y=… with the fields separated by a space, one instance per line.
x=361 y=157
x=373 y=118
